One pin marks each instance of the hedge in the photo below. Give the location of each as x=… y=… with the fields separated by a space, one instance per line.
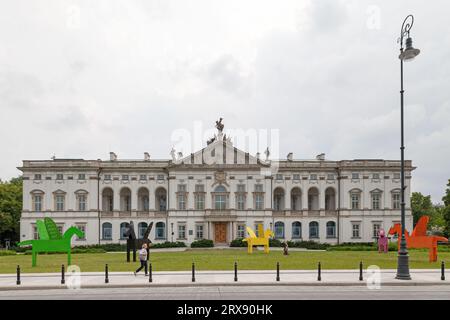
x=204 y=243
x=7 y=253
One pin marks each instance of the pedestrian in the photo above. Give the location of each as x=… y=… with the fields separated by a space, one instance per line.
x=143 y=254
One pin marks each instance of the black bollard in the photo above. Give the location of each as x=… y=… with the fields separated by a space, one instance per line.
x=319 y=271
x=63 y=280
x=150 y=277
x=193 y=272
x=278 y=271
x=235 y=272
x=361 y=271
x=106 y=274
x=442 y=270
x=18 y=275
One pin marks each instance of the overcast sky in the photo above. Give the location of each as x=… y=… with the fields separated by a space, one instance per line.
x=82 y=78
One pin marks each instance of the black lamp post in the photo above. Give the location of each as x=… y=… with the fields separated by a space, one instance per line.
x=406 y=54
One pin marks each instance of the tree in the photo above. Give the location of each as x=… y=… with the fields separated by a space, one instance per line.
x=420 y=205
x=446 y=209
x=10 y=208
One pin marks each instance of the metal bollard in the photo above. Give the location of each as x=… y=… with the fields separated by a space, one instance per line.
x=235 y=272
x=361 y=271
x=319 y=272
x=63 y=280
x=278 y=271
x=18 y=275
x=150 y=279
x=442 y=270
x=193 y=272
x=106 y=274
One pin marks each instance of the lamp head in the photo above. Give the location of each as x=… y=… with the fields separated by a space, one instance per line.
x=410 y=52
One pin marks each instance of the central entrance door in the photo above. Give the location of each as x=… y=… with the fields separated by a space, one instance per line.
x=220 y=232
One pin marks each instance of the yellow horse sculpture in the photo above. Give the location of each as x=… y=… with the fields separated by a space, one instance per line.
x=261 y=240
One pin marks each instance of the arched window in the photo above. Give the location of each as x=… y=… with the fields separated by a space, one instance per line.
x=160 y=230
x=296 y=199
x=142 y=227
x=330 y=199
x=296 y=230
x=143 y=199
x=123 y=229
x=313 y=199
x=125 y=199
x=107 y=231
x=314 y=230
x=278 y=199
x=331 y=229
x=107 y=200
x=279 y=230
x=160 y=198
x=220 y=198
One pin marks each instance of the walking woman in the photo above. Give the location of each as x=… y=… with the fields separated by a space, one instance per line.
x=143 y=259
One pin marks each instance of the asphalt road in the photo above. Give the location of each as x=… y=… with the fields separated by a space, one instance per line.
x=238 y=293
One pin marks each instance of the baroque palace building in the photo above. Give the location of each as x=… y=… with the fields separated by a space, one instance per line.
x=214 y=194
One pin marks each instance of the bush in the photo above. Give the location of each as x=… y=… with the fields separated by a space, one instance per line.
x=167 y=244
x=236 y=243
x=204 y=243
x=7 y=253
x=310 y=245
x=275 y=243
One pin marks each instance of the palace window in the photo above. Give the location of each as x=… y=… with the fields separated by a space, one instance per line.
x=59 y=197
x=241 y=188
x=142 y=177
x=81 y=201
x=259 y=188
x=376 y=229
x=220 y=198
x=259 y=201
x=59 y=176
x=160 y=177
x=376 y=176
x=82 y=227
x=314 y=230
x=35 y=232
x=181 y=197
x=37 y=197
x=296 y=177
x=240 y=231
x=279 y=230
x=396 y=200
x=396 y=175
x=37 y=177
x=355 y=230
x=355 y=176
x=199 y=231
x=313 y=177
x=142 y=227
x=376 y=200
x=296 y=230
x=200 y=201
x=330 y=176
x=182 y=231
x=125 y=177
x=107 y=231
x=331 y=229
x=279 y=177
x=160 y=231
x=240 y=201
x=81 y=176
x=107 y=177
x=123 y=228
x=355 y=197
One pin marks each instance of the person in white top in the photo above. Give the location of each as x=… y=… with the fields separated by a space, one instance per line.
x=143 y=259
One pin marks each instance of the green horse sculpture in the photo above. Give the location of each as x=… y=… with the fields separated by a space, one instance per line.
x=51 y=240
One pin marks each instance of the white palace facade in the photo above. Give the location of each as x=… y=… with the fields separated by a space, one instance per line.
x=214 y=194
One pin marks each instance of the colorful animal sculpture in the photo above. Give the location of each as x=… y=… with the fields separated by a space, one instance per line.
x=51 y=240
x=418 y=238
x=133 y=243
x=383 y=241
x=261 y=240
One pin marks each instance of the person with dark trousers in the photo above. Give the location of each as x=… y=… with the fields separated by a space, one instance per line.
x=143 y=254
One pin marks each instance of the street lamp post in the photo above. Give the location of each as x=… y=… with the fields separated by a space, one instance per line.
x=406 y=54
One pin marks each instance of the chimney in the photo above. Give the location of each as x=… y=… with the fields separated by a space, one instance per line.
x=112 y=156
x=290 y=156
x=146 y=156
x=320 y=156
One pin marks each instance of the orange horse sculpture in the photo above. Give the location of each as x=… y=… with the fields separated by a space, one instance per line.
x=418 y=238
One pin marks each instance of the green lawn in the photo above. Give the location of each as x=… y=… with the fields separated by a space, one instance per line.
x=221 y=260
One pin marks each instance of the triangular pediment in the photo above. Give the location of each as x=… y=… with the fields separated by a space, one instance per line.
x=220 y=152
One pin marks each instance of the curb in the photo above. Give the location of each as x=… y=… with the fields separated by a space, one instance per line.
x=224 y=284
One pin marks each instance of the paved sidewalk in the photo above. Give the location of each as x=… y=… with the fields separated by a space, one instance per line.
x=222 y=278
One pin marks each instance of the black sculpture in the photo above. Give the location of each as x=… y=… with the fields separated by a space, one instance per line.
x=133 y=243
